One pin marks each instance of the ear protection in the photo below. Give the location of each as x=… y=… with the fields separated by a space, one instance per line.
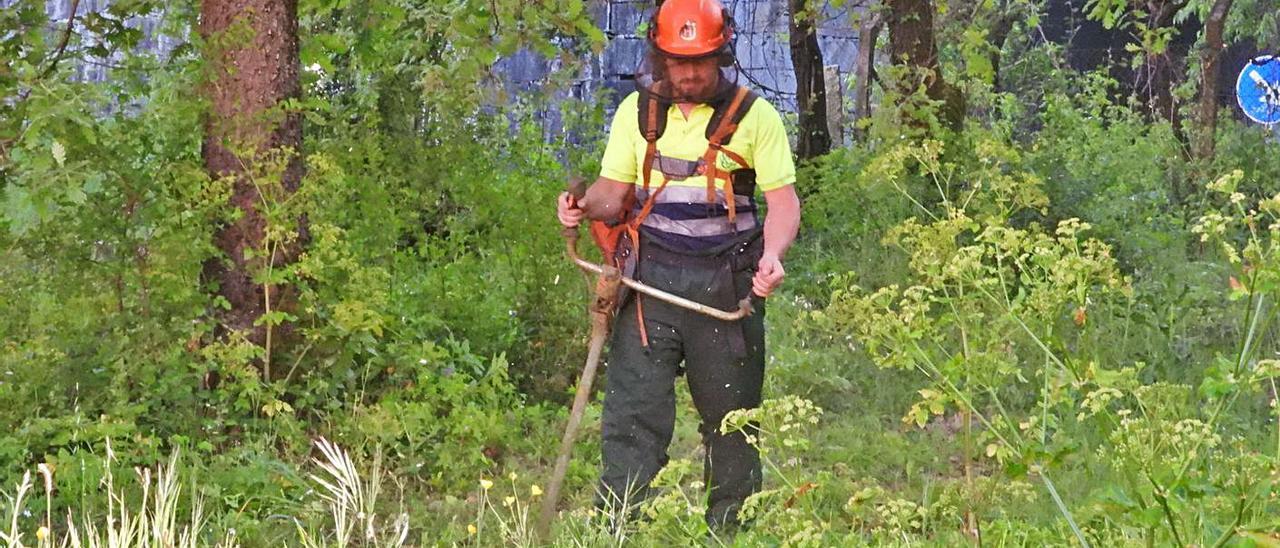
x=730 y=32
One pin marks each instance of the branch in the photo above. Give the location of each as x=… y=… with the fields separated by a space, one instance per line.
x=66 y=37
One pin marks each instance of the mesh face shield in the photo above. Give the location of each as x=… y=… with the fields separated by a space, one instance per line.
x=681 y=80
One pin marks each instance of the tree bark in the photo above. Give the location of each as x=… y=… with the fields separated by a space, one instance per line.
x=1158 y=75
x=811 y=88
x=835 y=104
x=1208 y=108
x=864 y=69
x=997 y=36
x=912 y=43
x=254 y=66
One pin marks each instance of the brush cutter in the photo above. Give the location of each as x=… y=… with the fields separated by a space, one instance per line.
x=608 y=281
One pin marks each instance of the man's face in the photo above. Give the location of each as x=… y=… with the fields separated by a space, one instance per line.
x=693 y=77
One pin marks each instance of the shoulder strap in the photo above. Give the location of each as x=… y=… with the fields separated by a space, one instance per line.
x=652 y=115
x=652 y=121
x=734 y=108
x=719 y=132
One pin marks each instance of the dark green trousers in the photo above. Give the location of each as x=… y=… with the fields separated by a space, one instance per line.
x=723 y=363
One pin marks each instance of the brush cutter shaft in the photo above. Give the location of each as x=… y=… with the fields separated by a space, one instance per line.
x=599 y=332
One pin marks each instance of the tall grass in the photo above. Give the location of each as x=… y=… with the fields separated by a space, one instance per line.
x=352 y=503
x=147 y=514
x=149 y=519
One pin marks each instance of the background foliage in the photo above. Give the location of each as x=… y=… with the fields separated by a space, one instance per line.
x=1024 y=330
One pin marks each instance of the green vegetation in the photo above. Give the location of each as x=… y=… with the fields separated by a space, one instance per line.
x=1049 y=326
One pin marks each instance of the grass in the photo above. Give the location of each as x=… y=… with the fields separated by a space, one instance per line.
x=862 y=476
x=147 y=517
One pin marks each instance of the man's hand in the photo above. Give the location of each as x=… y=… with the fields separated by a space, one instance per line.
x=568 y=210
x=769 y=274
x=603 y=201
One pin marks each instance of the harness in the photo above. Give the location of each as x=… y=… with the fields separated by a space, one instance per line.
x=728 y=113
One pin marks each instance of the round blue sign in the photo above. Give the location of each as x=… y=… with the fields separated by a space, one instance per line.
x=1258 y=89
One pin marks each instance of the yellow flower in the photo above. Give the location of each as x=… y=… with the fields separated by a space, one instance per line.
x=42 y=533
x=471 y=528
x=512 y=475
x=535 y=490
x=485 y=484
x=508 y=501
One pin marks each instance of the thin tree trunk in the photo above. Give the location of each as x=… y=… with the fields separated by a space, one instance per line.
x=1156 y=78
x=863 y=71
x=254 y=66
x=811 y=88
x=1213 y=46
x=835 y=104
x=912 y=43
x=999 y=33
x=66 y=38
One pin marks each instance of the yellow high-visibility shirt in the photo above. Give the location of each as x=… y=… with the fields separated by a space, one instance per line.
x=760 y=139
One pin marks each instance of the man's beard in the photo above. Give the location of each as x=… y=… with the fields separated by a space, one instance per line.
x=695 y=87
x=653 y=77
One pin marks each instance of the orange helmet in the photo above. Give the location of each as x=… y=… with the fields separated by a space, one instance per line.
x=691 y=28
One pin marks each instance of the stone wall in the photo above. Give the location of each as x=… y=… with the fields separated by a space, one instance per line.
x=762 y=48
x=761 y=45
x=95 y=69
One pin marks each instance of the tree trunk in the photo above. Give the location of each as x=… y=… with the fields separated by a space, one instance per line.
x=811 y=88
x=864 y=69
x=998 y=35
x=912 y=43
x=253 y=64
x=1213 y=46
x=835 y=104
x=1156 y=78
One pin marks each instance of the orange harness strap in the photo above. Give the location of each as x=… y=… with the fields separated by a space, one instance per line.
x=651 y=140
x=633 y=225
x=713 y=173
x=732 y=155
x=714 y=147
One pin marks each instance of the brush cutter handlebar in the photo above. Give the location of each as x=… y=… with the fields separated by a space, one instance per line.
x=577 y=188
x=744 y=306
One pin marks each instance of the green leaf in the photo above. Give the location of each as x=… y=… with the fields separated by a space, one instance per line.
x=590 y=30
x=76 y=195
x=1262 y=540
x=93 y=183
x=19 y=210
x=275 y=317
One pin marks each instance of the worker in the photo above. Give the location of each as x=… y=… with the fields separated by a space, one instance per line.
x=685 y=156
